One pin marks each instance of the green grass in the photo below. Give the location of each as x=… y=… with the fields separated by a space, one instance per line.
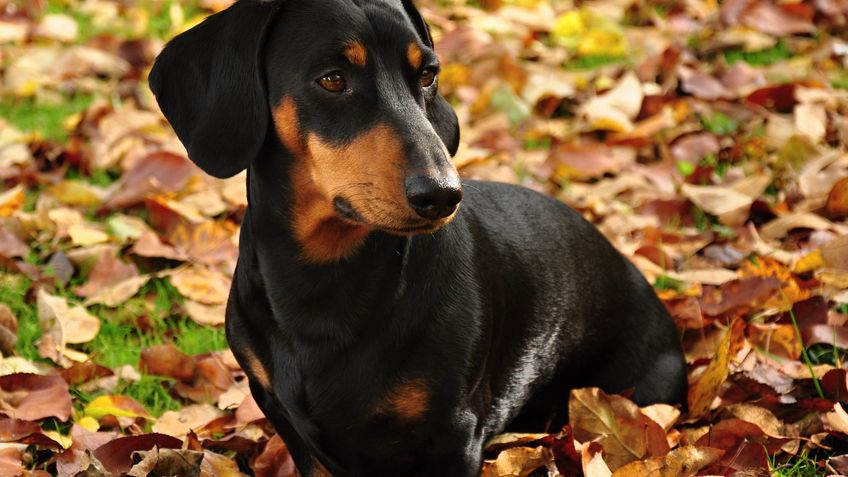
x=45 y=119
x=801 y=465
x=159 y=24
x=590 y=62
x=768 y=56
x=121 y=339
x=13 y=289
x=149 y=391
x=665 y=282
x=720 y=167
x=719 y=123
x=822 y=353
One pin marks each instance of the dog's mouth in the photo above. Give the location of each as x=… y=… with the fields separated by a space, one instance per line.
x=347 y=212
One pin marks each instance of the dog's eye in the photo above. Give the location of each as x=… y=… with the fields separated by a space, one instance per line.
x=333 y=82
x=428 y=76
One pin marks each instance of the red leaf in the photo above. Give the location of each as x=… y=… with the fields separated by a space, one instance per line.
x=116 y=456
x=32 y=397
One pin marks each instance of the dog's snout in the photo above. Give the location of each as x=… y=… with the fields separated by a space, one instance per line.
x=433 y=198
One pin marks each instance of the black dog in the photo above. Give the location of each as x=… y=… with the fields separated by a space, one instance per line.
x=386 y=329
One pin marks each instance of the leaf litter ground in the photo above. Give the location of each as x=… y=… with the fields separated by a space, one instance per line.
x=706 y=140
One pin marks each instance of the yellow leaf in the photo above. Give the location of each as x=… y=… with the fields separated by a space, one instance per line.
x=64 y=441
x=811 y=261
x=89 y=423
x=118 y=406
x=704 y=391
x=603 y=42
x=587 y=33
x=85 y=235
x=11 y=201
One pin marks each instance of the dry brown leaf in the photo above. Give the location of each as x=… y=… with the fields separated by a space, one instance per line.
x=617 y=424
x=11 y=462
x=779 y=227
x=11 y=246
x=167 y=360
x=716 y=200
x=182 y=462
x=108 y=271
x=186 y=419
x=212 y=315
x=665 y=415
x=63 y=324
x=275 y=460
x=615 y=109
x=8 y=330
x=519 y=462
x=217 y=465
x=705 y=389
x=683 y=462
x=770 y=18
x=201 y=284
x=32 y=397
x=149 y=245
x=593 y=461
x=836 y=420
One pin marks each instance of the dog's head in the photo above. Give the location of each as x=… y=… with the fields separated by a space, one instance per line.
x=347 y=87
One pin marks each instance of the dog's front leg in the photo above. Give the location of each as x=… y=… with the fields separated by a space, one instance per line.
x=305 y=462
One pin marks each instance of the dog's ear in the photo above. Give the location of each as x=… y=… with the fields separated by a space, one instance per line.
x=439 y=111
x=208 y=82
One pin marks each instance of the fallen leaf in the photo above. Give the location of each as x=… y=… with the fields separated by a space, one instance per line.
x=63 y=324
x=11 y=246
x=187 y=419
x=618 y=425
x=518 y=462
x=11 y=462
x=108 y=271
x=202 y=285
x=683 y=462
x=615 y=109
x=274 y=460
x=32 y=397
x=716 y=200
x=217 y=465
x=770 y=18
x=706 y=388
x=115 y=405
x=593 y=461
x=8 y=330
x=158 y=172
x=837 y=200
x=167 y=360
x=210 y=315
x=116 y=455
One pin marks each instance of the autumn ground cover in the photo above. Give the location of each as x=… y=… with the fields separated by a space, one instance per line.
x=706 y=139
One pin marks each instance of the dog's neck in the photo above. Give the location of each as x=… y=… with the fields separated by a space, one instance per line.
x=363 y=283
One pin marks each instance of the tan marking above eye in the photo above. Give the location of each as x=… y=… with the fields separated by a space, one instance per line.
x=356 y=53
x=414 y=55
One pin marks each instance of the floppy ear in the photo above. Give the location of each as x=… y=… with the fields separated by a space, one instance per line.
x=209 y=85
x=439 y=111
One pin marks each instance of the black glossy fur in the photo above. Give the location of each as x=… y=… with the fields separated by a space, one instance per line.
x=500 y=312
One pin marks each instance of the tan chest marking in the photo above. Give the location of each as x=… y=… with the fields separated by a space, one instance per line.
x=408 y=401
x=257 y=369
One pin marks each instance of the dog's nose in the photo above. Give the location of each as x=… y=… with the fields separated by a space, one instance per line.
x=433 y=198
